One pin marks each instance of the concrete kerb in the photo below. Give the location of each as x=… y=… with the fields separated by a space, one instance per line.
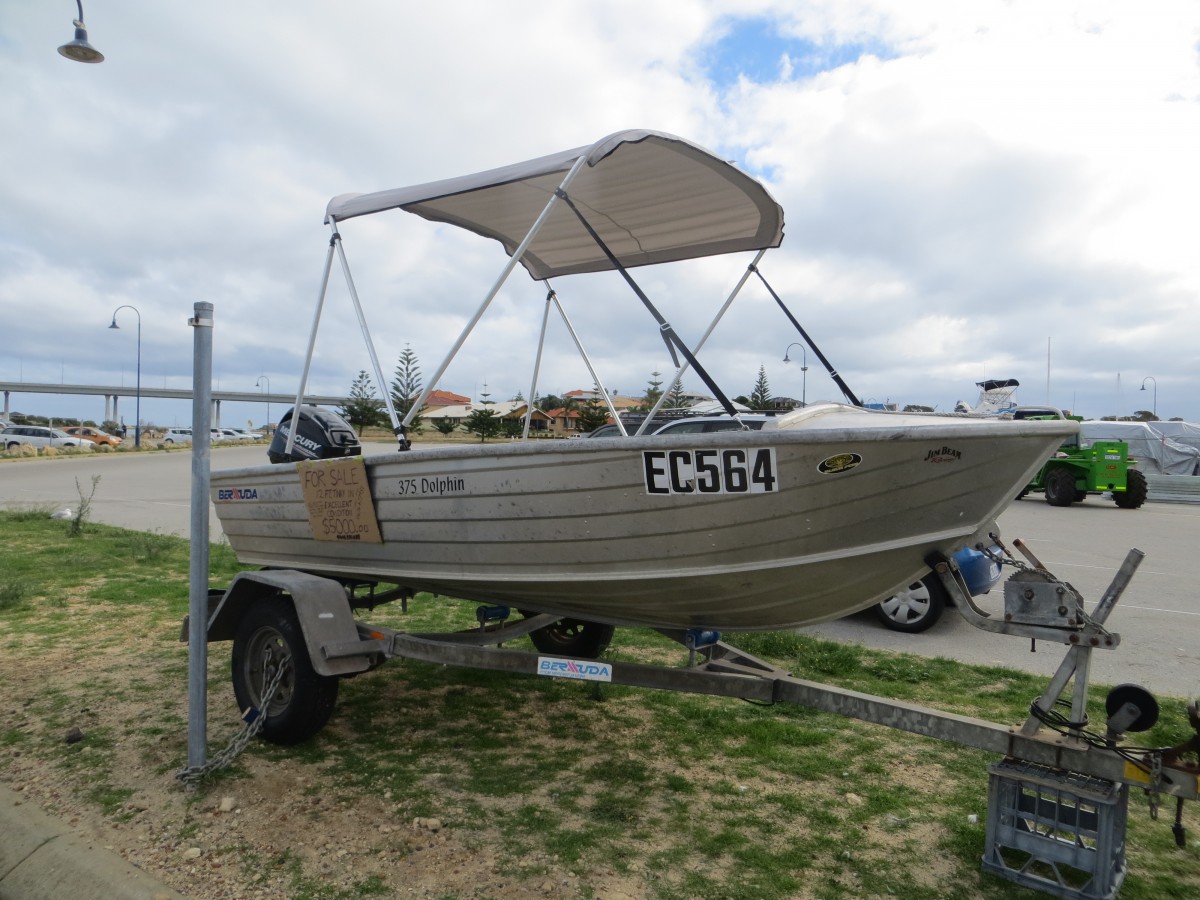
x=43 y=859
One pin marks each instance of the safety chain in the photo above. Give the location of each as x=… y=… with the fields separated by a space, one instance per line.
x=1155 y=780
x=256 y=718
x=1004 y=557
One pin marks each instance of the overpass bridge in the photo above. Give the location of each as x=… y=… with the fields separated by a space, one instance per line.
x=113 y=394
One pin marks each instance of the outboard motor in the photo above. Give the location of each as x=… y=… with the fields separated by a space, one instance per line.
x=321 y=434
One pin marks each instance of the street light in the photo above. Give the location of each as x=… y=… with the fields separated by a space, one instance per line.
x=803 y=370
x=137 y=409
x=1153 y=411
x=79 y=49
x=258 y=384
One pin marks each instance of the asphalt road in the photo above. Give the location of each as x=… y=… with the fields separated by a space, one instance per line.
x=1158 y=617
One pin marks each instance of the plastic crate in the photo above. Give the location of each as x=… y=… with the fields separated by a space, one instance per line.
x=1056 y=832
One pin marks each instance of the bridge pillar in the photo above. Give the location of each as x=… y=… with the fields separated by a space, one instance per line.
x=216 y=414
x=7 y=414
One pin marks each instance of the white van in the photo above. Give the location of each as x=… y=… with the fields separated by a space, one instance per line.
x=178 y=436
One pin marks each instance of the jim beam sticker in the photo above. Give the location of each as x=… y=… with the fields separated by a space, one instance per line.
x=943 y=455
x=338 y=498
x=840 y=462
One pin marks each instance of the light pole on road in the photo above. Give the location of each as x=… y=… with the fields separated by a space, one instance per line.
x=1154 y=409
x=137 y=409
x=803 y=370
x=258 y=384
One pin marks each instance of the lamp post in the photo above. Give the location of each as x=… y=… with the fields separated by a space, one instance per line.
x=137 y=409
x=803 y=370
x=1154 y=409
x=79 y=49
x=258 y=384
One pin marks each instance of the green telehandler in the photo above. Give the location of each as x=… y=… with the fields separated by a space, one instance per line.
x=1077 y=470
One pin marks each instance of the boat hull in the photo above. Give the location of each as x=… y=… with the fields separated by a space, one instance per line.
x=665 y=532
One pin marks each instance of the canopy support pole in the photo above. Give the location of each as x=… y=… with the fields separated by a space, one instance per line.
x=491 y=295
x=672 y=340
x=537 y=364
x=682 y=370
x=312 y=341
x=397 y=429
x=838 y=380
x=588 y=362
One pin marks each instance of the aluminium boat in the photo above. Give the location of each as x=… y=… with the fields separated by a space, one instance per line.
x=822 y=512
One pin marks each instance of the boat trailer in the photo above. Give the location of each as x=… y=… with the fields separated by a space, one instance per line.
x=1057 y=800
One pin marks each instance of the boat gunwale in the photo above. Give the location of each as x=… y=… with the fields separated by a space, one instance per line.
x=768 y=436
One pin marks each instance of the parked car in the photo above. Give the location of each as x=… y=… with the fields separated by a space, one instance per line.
x=178 y=436
x=95 y=435
x=692 y=425
x=710 y=424
x=918 y=608
x=39 y=436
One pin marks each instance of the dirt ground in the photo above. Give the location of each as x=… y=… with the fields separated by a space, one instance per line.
x=271 y=832
x=276 y=828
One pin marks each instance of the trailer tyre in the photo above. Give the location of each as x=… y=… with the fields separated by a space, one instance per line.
x=1136 y=490
x=1060 y=487
x=268 y=633
x=573 y=637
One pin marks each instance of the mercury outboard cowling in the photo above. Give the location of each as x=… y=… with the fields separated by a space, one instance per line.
x=321 y=434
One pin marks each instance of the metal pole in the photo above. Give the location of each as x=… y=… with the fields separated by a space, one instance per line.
x=137 y=411
x=258 y=384
x=137 y=404
x=202 y=322
x=491 y=295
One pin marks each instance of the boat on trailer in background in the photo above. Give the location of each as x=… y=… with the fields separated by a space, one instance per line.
x=821 y=513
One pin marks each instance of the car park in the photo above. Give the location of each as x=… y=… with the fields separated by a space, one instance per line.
x=95 y=435
x=178 y=436
x=39 y=436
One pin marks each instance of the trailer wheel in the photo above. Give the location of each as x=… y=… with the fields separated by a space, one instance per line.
x=1136 y=490
x=573 y=637
x=1060 y=487
x=916 y=608
x=268 y=634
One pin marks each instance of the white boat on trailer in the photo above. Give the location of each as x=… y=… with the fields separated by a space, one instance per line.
x=817 y=515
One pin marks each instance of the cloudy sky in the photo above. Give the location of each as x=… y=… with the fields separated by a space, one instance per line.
x=972 y=190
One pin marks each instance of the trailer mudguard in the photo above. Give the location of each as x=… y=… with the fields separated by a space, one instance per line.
x=321 y=605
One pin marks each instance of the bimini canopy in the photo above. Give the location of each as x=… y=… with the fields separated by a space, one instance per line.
x=651 y=198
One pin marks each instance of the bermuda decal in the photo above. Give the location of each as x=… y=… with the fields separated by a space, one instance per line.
x=749 y=471
x=581 y=669
x=943 y=454
x=231 y=494
x=841 y=462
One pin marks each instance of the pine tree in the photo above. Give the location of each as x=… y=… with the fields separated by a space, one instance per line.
x=483 y=422
x=675 y=398
x=363 y=408
x=760 y=397
x=653 y=391
x=593 y=414
x=406 y=387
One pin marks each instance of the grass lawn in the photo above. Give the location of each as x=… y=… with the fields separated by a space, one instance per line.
x=454 y=783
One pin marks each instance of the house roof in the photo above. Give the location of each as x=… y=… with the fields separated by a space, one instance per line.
x=446 y=398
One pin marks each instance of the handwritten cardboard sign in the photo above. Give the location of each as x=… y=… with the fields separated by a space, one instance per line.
x=338 y=497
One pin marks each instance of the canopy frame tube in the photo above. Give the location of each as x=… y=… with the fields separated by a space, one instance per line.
x=682 y=370
x=491 y=294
